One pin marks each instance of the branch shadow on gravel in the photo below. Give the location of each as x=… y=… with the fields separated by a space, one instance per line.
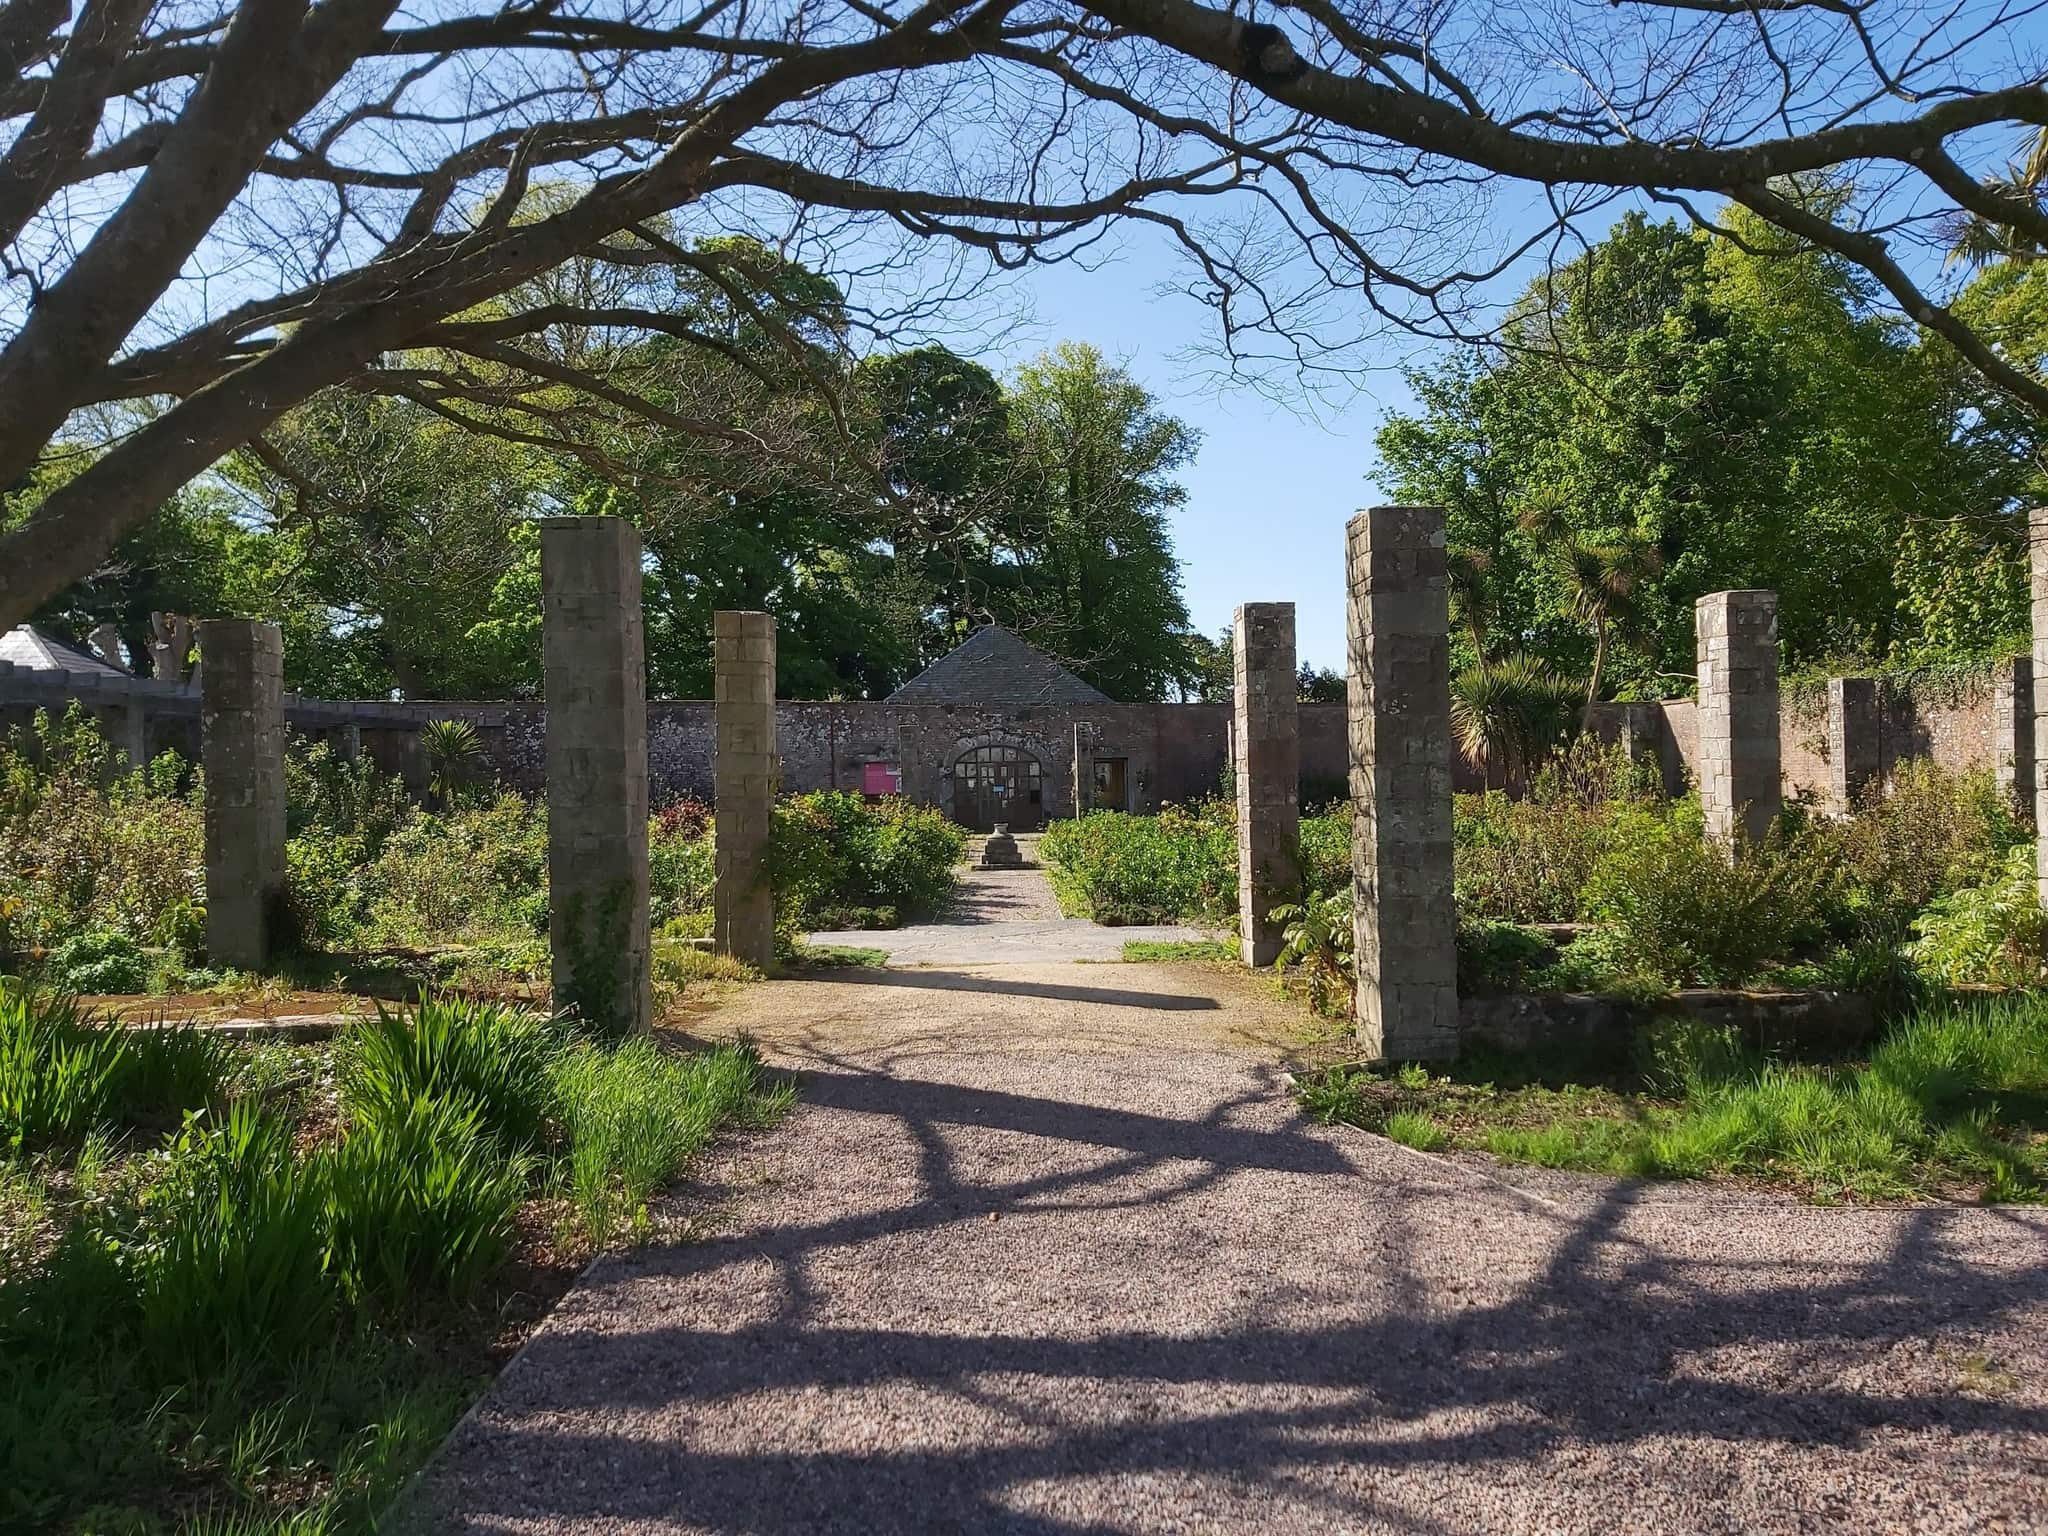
x=964 y=981
x=950 y=1429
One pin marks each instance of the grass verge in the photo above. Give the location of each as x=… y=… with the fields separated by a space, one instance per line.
x=825 y=957
x=1145 y=951
x=1952 y=1103
x=251 y=1290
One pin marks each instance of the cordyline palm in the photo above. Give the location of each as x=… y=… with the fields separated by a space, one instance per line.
x=1471 y=596
x=1602 y=580
x=1514 y=711
x=1977 y=241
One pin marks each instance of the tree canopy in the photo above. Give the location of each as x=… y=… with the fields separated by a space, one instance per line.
x=209 y=214
x=1732 y=411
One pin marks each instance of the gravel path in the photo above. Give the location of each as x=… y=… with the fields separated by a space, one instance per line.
x=1005 y=917
x=1053 y=1254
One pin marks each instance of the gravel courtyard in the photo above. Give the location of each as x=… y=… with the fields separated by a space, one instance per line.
x=1046 y=1249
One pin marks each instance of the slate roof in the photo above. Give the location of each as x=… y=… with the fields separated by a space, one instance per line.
x=993 y=666
x=35 y=650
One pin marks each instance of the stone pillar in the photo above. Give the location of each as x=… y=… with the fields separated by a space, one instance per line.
x=1400 y=723
x=744 y=774
x=1266 y=763
x=2012 y=730
x=1739 y=770
x=126 y=727
x=1855 y=740
x=2037 y=549
x=595 y=680
x=241 y=733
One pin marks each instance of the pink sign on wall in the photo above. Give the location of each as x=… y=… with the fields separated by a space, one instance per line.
x=880 y=779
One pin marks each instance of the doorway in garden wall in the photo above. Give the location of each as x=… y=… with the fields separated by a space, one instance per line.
x=998 y=784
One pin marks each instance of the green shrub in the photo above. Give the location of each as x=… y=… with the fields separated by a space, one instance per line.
x=835 y=851
x=1122 y=869
x=420 y=1195
x=1678 y=907
x=635 y=1115
x=324 y=898
x=83 y=846
x=1993 y=933
x=1530 y=860
x=1326 y=850
x=465 y=876
x=231 y=1259
x=1318 y=937
x=479 y=1056
x=341 y=796
x=1932 y=832
x=1499 y=957
x=168 y=1069
x=681 y=865
x=1683 y=1055
x=98 y=961
x=1416 y=1130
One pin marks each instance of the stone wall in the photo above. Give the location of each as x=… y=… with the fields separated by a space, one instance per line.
x=1174 y=752
x=1954 y=721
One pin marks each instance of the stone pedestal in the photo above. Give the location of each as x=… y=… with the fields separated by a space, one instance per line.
x=1739 y=768
x=1000 y=851
x=1265 y=744
x=596 y=686
x=2012 y=729
x=126 y=727
x=241 y=728
x=1400 y=727
x=1855 y=740
x=744 y=773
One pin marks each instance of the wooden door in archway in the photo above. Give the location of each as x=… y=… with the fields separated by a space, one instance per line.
x=999 y=784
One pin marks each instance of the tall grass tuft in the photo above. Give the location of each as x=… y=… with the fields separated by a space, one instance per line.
x=418 y=1197
x=57 y=1072
x=65 y=1073
x=479 y=1055
x=171 y=1068
x=636 y=1115
x=231 y=1260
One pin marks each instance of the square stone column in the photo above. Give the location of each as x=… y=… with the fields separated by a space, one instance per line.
x=1400 y=721
x=1855 y=740
x=744 y=774
x=595 y=680
x=1739 y=770
x=2037 y=551
x=1265 y=741
x=2012 y=730
x=241 y=736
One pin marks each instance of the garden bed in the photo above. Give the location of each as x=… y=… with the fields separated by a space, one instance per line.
x=102 y=877
x=251 y=1286
x=1951 y=1102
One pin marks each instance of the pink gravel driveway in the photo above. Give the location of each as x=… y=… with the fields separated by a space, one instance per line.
x=1048 y=1250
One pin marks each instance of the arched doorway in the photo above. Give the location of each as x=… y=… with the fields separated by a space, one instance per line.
x=998 y=783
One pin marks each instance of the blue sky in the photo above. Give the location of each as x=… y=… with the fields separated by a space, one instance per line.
x=1270 y=489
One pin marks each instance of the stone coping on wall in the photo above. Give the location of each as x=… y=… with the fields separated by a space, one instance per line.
x=22 y=686
x=1525 y=1022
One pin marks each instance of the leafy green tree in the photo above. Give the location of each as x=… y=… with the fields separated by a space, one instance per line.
x=1102 y=587
x=954 y=509
x=1314 y=686
x=1677 y=413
